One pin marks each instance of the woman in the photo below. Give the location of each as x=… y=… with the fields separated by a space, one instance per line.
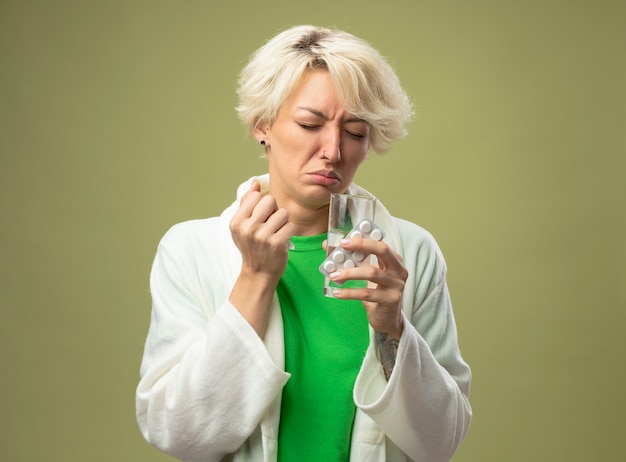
x=245 y=358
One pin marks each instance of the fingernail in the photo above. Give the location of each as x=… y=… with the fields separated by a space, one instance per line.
x=337 y=292
x=334 y=275
x=346 y=241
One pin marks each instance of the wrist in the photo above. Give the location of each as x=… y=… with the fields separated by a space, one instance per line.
x=252 y=297
x=394 y=330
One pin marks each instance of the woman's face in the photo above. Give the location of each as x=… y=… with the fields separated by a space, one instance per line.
x=315 y=146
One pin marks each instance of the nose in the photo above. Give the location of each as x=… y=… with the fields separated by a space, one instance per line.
x=331 y=149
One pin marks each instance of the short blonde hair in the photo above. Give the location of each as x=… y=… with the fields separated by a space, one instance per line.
x=366 y=84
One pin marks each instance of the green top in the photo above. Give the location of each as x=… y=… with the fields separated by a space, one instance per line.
x=325 y=342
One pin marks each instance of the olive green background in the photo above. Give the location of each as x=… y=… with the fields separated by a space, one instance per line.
x=117 y=121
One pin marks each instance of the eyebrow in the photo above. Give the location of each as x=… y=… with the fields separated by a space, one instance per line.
x=320 y=114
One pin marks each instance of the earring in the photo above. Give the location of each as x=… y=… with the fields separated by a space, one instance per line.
x=263 y=142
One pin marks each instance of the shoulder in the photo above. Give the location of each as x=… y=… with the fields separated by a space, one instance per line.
x=190 y=234
x=419 y=248
x=201 y=230
x=415 y=237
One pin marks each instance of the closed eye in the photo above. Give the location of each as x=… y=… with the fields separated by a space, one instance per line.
x=309 y=127
x=358 y=136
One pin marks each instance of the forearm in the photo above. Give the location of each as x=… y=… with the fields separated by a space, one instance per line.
x=387 y=342
x=388 y=349
x=252 y=296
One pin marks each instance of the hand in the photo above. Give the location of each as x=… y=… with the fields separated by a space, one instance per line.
x=386 y=281
x=261 y=231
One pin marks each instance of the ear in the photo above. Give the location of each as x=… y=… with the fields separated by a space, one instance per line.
x=261 y=131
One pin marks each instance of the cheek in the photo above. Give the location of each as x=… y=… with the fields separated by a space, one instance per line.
x=297 y=144
x=285 y=145
x=355 y=157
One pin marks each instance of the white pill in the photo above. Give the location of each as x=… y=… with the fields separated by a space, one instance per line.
x=349 y=264
x=339 y=257
x=358 y=256
x=366 y=226
x=329 y=266
x=376 y=235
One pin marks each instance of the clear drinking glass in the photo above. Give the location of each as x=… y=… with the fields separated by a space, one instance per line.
x=346 y=211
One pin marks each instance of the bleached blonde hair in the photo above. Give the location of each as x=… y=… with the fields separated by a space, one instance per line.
x=366 y=84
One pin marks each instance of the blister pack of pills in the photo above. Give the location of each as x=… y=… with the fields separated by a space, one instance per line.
x=341 y=258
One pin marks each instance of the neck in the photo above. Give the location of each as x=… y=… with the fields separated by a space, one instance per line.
x=308 y=222
x=308 y=219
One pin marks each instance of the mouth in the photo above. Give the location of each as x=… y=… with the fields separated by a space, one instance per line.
x=325 y=177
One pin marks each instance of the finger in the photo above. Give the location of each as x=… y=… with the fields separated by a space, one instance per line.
x=275 y=232
x=266 y=220
x=277 y=220
x=361 y=244
x=388 y=297
x=255 y=188
x=386 y=256
x=373 y=274
x=248 y=203
x=283 y=235
x=365 y=294
x=264 y=209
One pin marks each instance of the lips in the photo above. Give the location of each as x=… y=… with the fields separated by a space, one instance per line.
x=325 y=177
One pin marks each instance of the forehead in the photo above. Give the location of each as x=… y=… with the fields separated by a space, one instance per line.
x=317 y=85
x=316 y=93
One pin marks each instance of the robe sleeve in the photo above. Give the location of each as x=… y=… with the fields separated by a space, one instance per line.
x=206 y=376
x=424 y=408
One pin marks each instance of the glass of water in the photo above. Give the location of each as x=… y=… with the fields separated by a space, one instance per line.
x=346 y=211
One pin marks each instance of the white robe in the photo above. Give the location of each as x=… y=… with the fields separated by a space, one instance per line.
x=210 y=388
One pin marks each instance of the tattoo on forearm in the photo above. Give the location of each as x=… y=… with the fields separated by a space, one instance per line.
x=388 y=348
